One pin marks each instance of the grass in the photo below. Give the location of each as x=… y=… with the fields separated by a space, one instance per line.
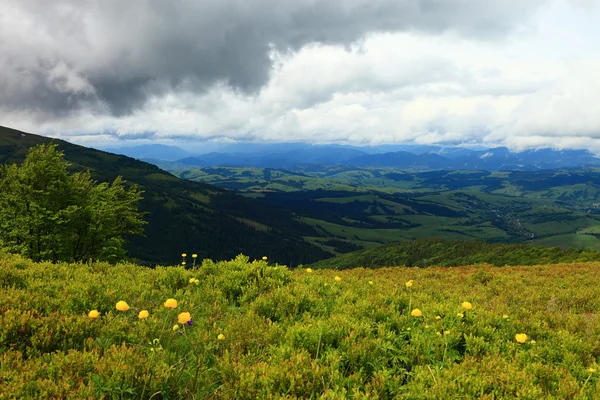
x=261 y=331
x=570 y=241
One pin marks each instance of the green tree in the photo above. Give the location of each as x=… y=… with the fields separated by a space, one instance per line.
x=47 y=213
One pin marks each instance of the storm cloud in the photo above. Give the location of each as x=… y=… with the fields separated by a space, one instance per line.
x=112 y=57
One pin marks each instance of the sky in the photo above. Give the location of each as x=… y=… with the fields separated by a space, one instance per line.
x=519 y=73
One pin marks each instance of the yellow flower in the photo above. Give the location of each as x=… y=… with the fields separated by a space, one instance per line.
x=122 y=306
x=194 y=280
x=408 y=329
x=183 y=263
x=171 y=303
x=591 y=370
x=194 y=255
x=175 y=327
x=460 y=315
x=183 y=255
x=143 y=314
x=337 y=279
x=265 y=258
x=409 y=283
x=521 y=337
x=505 y=316
x=309 y=270
x=93 y=314
x=221 y=336
x=426 y=326
x=438 y=333
x=184 y=317
x=416 y=312
x=466 y=305
x=370 y=282
x=446 y=332
x=438 y=317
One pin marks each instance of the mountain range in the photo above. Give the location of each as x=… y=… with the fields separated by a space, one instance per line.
x=409 y=157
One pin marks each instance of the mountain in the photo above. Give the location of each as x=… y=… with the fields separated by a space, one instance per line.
x=286 y=159
x=185 y=216
x=412 y=157
x=152 y=151
x=501 y=158
x=403 y=160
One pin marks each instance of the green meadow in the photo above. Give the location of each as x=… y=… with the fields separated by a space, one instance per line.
x=250 y=329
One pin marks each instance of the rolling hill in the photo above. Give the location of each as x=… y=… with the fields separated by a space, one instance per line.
x=185 y=216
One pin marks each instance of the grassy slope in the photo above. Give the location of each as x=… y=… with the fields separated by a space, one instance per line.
x=184 y=214
x=451 y=253
x=298 y=334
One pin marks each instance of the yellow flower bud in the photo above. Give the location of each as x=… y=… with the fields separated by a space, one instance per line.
x=184 y=317
x=122 y=306
x=171 y=303
x=416 y=312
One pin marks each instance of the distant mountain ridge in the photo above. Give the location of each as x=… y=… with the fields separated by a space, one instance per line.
x=409 y=157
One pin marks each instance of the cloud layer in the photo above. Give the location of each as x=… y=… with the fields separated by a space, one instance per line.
x=360 y=71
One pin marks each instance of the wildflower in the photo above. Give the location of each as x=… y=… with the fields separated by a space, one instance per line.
x=143 y=314
x=408 y=329
x=171 y=303
x=521 y=337
x=309 y=270
x=532 y=342
x=194 y=281
x=416 y=312
x=265 y=258
x=190 y=322
x=438 y=333
x=122 y=306
x=221 y=336
x=337 y=278
x=446 y=332
x=184 y=317
x=438 y=317
x=466 y=305
x=94 y=314
x=426 y=326
x=175 y=328
x=194 y=255
x=183 y=255
x=409 y=283
x=591 y=370
x=505 y=316
x=370 y=282
x=460 y=315
x=183 y=263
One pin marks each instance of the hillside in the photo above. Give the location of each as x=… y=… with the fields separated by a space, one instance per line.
x=184 y=214
x=251 y=330
x=453 y=253
x=367 y=207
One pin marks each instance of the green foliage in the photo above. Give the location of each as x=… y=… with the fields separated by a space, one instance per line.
x=47 y=213
x=453 y=253
x=262 y=331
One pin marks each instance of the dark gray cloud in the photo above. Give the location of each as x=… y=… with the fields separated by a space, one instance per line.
x=114 y=56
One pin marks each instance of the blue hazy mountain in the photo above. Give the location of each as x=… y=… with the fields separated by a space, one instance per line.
x=407 y=156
